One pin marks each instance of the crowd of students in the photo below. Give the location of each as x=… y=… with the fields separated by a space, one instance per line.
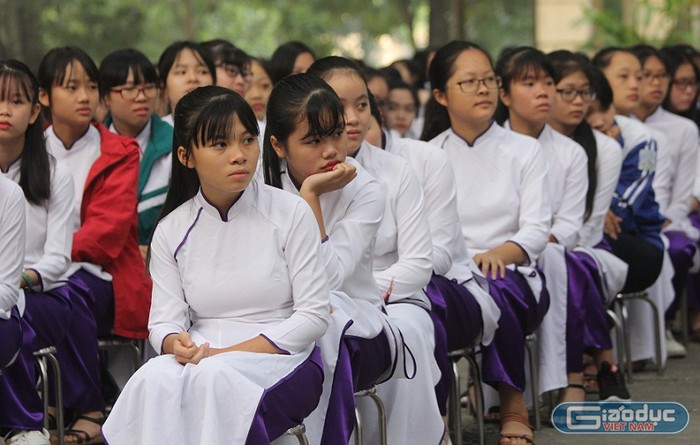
x=289 y=232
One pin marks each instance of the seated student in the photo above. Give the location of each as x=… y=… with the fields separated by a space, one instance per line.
x=305 y=146
x=504 y=244
x=129 y=86
x=633 y=222
x=182 y=67
x=237 y=331
x=259 y=90
x=402 y=263
x=681 y=100
x=674 y=178
x=401 y=107
x=232 y=65
x=48 y=191
x=107 y=277
x=18 y=424
x=463 y=313
x=595 y=275
x=290 y=58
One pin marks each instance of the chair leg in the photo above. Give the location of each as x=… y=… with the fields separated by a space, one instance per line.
x=302 y=439
x=534 y=384
x=626 y=338
x=44 y=375
x=51 y=358
x=455 y=415
x=659 y=335
x=619 y=341
x=478 y=395
x=381 y=417
x=358 y=427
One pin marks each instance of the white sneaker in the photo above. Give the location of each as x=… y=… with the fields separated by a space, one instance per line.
x=673 y=347
x=29 y=438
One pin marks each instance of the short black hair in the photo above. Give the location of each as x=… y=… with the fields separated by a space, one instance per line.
x=115 y=67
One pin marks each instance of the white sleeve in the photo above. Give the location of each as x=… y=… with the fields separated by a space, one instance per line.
x=608 y=167
x=351 y=237
x=12 y=243
x=59 y=231
x=569 y=217
x=169 y=311
x=440 y=191
x=682 y=191
x=534 y=221
x=412 y=271
x=309 y=287
x=663 y=175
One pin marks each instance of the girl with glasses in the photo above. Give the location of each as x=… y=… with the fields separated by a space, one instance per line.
x=497 y=171
x=232 y=65
x=129 y=86
x=675 y=176
x=593 y=275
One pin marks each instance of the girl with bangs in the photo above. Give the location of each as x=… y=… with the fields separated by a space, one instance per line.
x=182 y=67
x=594 y=275
x=402 y=263
x=44 y=302
x=129 y=88
x=504 y=243
x=305 y=153
x=107 y=275
x=236 y=332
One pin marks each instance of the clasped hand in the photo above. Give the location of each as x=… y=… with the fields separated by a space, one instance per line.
x=186 y=351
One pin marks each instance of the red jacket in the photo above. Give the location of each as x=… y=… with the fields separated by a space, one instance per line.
x=108 y=231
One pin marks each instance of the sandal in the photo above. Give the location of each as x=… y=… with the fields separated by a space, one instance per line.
x=573 y=386
x=82 y=437
x=516 y=418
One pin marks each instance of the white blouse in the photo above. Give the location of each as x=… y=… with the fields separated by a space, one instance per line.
x=567 y=179
x=402 y=255
x=432 y=167
x=674 y=179
x=49 y=227
x=255 y=272
x=501 y=189
x=608 y=165
x=12 y=234
x=352 y=217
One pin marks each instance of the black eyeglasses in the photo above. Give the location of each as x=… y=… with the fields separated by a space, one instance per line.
x=470 y=86
x=649 y=76
x=684 y=84
x=130 y=93
x=570 y=95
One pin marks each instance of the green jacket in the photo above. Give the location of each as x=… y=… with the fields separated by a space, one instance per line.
x=149 y=204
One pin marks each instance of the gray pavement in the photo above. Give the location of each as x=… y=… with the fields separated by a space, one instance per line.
x=679 y=383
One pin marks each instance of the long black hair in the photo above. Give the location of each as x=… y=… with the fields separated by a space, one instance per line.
x=35 y=170
x=516 y=64
x=675 y=57
x=202 y=116
x=441 y=69
x=295 y=99
x=564 y=64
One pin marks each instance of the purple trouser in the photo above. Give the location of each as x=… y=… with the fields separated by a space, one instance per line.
x=20 y=406
x=681 y=249
x=521 y=314
x=586 y=319
x=457 y=319
x=288 y=402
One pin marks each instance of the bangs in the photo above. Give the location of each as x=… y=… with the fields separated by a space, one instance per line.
x=324 y=114
x=13 y=84
x=64 y=73
x=531 y=71
x=216 y=122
